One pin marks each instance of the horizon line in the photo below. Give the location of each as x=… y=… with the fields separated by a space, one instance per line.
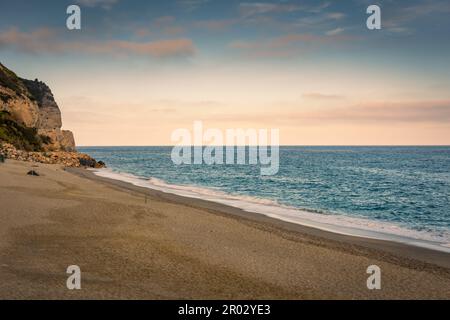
x=282 y=145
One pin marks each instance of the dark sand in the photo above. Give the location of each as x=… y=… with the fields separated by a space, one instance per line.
x=136 y=243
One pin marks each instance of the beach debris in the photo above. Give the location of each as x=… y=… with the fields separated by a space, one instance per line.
x=2 y=158
x=33 y=173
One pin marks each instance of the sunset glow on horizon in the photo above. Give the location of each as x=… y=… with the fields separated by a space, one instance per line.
x=311 y=69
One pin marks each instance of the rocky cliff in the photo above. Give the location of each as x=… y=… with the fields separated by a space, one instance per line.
x=32 y=106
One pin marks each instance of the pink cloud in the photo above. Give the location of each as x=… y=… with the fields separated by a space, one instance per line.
x=390 y=113
x=46 y=41
x=160 y=48
x=321 y=96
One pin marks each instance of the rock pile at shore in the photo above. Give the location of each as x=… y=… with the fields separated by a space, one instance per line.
x=67 y=159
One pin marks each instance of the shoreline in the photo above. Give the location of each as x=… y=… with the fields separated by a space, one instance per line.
x=405 y=250
x=137 y=243
x=344 y=225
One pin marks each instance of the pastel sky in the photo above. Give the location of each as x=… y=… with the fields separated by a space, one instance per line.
x=138 y=70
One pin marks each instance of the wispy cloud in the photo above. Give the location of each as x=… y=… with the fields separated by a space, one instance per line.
x=272 y=15
x=387 y=113
x=191 y=5
x=161 y=26
x=400 y=18
x=287 y=45
x=321 y=96
x=319 y=21
x=334 y=32
x=105 y=4
x=216 y=25
x=248 y=9
x=47 y=41
x=408 y=111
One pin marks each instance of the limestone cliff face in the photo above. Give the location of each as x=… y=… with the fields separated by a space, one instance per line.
x=32 y=104
x=15 y=98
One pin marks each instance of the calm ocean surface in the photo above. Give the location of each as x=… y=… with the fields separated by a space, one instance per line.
x=400 y=190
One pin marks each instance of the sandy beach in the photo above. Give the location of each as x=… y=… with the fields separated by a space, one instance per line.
x=136 y=243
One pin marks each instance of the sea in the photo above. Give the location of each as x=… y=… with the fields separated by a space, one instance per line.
x=392 y=193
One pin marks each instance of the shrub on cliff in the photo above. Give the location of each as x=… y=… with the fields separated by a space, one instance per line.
x=10 y=80
x=5 y=97
x=21 y=137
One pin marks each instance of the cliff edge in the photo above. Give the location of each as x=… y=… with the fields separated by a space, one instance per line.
x=31 y=118
x=30 y=125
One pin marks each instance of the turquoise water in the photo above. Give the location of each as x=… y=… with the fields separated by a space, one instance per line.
x=405 y=187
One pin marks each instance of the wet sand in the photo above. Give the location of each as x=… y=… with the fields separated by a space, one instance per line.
x=136 y=243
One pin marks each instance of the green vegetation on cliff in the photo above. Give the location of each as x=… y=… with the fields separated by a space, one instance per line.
x=10 y=80
x=21 y=137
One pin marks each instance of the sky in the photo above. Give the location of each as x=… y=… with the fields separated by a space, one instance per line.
x=138 y=70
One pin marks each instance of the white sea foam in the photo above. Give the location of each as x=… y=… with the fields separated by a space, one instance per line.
x=341 y=224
